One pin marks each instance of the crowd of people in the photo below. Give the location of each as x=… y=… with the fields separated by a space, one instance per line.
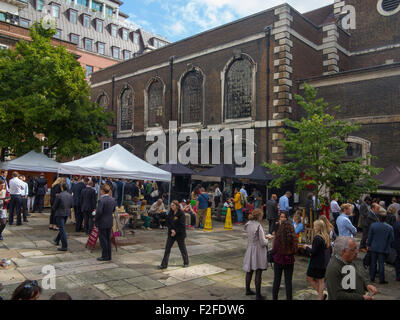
x=332 y=248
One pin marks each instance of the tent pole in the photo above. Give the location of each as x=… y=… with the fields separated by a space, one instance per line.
x=169 y=196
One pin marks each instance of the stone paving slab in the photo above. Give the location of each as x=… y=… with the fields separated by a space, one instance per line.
x=194 y=272
x=10 y=276
x=145 y=283
x=32 y=253
x=123 y=288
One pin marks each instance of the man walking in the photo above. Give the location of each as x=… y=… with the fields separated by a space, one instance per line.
x=31 y=194
x=380 y=238
x=284 y=202
x=77 y=187
x=272 y=212
x=370 y=219
x=88 y=202
x=17 y=188
x=62 y=208
x=41 y=189
x=104 y=221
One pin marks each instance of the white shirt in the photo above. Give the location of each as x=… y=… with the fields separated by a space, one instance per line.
x=25 y=192
x=335 y=206
x=17 y=187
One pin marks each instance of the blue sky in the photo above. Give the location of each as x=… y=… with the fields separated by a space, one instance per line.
x=179 y=19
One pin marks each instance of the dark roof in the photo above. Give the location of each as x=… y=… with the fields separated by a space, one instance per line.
x=259 y=173
x=390 y=178
x=117 y=2
x=222 y=170
x=177 y=169
x=321 y=15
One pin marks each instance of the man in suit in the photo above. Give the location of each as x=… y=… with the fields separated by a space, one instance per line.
x=104 y=221
x=77 y=188
x=62 y=208
x=380 y=238
x=41 y=189
x=364 y=212
x=272 y=212
x=88 y=202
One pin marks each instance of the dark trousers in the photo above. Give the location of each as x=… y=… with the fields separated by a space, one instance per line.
x=87 y=221
x=39 y=203
x=397 y=265
x=53 y=217
x=157 y=217
x=15 y=203
x=363 y=243
x=3 y=223
x=271 y=225
x=24 y=208
x=182 y=248
x=105 y=242
x=78 y=218
x=335 y=216
x=380 y=258
x=62 y=234
x=288 y=270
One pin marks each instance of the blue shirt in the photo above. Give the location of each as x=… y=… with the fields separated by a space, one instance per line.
x=299 y=228
x=244 y=192
x=203 y=201
x=346 y=228
x=284 y=203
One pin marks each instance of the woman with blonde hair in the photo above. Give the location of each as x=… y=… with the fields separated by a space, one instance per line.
x=55 y=189
x=319 y=252
x=255 y=258
x=330 y=229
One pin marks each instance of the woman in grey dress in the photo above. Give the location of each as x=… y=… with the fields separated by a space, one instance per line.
x=255 y=258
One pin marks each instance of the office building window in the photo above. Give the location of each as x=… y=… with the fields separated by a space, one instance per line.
x=109 y=11
x=2 y=16
x=74 y=38
x=115 y=52
x=89 y=71
x=39 y=5
x=135 y=38
x=97 y=6
x=99 y=25
x=83 y=2
x=86 y=21
x=114 y=30
x=106 y=145
x=88 y=44
x=125 y=34
x=100 y=48
x=24 y=23
x=55 y=9
x=73 y=16
x=127 y=54
x=58 y=34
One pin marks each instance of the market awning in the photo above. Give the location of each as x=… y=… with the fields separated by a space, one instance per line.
x=115 y=162
x=32 y=161
x=177 y=169
x=259 y=173
x=222 y=171
x=389 y=178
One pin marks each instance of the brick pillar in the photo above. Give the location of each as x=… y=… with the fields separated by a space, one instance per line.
x=282 y=79
x=330 y=51
x=338 y=7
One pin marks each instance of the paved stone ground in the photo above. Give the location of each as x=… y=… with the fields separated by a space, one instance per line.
x=215 y=270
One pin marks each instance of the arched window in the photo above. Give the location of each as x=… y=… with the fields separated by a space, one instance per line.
x=192 y=97
x=238 y=89
x=102 y=101
x=126 y=110
x=155 y=103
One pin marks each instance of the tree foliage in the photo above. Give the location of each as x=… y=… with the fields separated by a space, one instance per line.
x=315 y=147
x=43 y=90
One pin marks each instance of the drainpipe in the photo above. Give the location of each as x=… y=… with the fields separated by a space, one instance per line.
x=268 y=38
x=171 y=87
x=114 y=136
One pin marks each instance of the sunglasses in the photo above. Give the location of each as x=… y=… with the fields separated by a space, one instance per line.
x=31 y=284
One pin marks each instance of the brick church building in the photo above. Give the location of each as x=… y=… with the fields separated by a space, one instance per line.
x=245 y=74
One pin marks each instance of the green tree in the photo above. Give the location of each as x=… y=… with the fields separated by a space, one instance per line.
x=315 y=147
x=43 y=92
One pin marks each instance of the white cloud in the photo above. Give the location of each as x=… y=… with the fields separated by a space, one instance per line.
x=176 y=29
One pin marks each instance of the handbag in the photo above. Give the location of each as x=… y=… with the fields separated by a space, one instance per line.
x=367 y=260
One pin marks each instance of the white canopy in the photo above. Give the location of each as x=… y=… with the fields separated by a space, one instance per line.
x=115 y=162
x=32 y=161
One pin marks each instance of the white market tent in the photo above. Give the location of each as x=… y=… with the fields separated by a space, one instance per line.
x=32 y=161
x=115 y=162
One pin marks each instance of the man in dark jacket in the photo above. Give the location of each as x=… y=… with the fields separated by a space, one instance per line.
x=62 y=208
x=120 y=191
x=380 y=238
x=396 y=246
x=88 y=202
x=364 y=212
x=339 y=266
x=104 y=221
x=41 y=189
x=77 y=188
x=272 y=212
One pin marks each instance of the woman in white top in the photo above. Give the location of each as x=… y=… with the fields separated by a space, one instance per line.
x=3 y=212
x=255 y=258
x=217 y=195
